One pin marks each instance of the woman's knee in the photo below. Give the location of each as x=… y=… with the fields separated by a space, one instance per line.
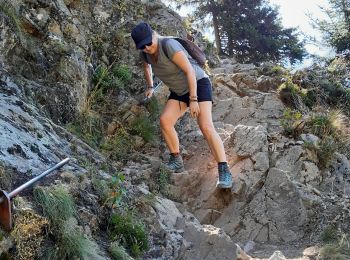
x=165 y=122
x=207 y=130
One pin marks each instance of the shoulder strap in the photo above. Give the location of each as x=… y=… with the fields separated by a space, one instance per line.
x=163 y=43
x=145 y=56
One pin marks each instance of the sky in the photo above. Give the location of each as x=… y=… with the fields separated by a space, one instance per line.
x=293 y=13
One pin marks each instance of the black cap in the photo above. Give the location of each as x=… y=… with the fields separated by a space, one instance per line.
x=142 y=34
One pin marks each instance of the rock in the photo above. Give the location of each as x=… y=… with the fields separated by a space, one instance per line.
x=249 y=140
x=167 y=212
x=309 y=138
x=207 y=242
x=277 y=255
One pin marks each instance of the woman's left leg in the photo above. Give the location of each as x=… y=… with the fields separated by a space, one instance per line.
x=205 y=122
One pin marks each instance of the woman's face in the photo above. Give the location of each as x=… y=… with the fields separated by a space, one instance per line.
x=153 y=48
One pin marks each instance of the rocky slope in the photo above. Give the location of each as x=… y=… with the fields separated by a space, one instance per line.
x=281 y=199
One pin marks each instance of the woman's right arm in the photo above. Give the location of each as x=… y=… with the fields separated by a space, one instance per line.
x=147 y=70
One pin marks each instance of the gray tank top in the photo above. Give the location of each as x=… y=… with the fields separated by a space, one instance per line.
x=168 y=72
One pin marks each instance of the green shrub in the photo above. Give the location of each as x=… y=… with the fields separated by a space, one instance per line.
x=144 y=127
x=291 y=119
x=278 y=70
x=118 y=252
x=324 y=151
x=88 y=127
x=336 y=251
x=153 y=108
x=112 y=77
x=324 y=123
x=72 y=243
x=118 y=146
x=329 y=234
x=309 y=97
x=130 y=233
x=336 y=94
x=56 y=203
x=290 y=94
x=111 y=192
x=163 y=180
x=123 y=73
x=102 y=78
x=59 y=207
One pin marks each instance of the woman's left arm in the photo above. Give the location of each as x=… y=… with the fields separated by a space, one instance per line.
x=181 y=60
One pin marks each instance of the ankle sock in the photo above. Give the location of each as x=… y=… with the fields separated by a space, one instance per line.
x=175 y=154
x=222 y=163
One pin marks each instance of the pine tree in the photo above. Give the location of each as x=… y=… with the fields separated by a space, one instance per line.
x=250 y=30
x=336 y=28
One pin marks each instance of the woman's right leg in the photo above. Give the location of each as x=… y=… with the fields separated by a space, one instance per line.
x=172 y=111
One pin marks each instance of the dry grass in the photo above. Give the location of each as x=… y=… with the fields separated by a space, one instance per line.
x=29 y=234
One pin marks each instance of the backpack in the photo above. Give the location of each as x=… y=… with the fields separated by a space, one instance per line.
x=193 y=50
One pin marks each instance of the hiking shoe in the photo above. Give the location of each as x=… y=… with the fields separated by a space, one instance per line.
x=225 y=177
x=175 y=164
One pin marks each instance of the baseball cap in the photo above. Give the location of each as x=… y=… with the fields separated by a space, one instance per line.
x=142 y=34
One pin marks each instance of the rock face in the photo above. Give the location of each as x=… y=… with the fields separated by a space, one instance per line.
x=44 y=82
x=275 y=197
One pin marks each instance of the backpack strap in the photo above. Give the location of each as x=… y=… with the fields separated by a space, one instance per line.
x=145 y=57
x=163 y=43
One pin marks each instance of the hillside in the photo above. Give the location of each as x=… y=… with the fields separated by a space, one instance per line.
x=71 y=86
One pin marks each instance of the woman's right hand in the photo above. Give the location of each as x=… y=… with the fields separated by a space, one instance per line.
x=149 y=92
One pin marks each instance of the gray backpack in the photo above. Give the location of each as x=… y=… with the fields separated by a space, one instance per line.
x=193 y=50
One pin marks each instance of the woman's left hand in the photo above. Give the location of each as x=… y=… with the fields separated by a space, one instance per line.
x=194 y=109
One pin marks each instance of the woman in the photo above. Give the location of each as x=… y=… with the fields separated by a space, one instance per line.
x=189 y=87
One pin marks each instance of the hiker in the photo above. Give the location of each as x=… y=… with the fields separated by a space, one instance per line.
x=189 y=86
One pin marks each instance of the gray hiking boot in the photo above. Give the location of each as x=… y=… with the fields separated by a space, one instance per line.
x=175 y=164
x=225 y=177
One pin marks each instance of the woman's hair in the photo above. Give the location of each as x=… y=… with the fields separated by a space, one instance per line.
x=155 y=33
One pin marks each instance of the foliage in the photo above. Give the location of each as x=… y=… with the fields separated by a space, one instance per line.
x=153 y=108
x=336 y=27
x=118 y=146
x=118 y=252
x=105 y=80
x=329 y=234
x=56 y=203
x=324 y=151
x=111 y=192
x=326 y=123
x=88 y=127
x=291 y=119
x=250 y=30
x=163 y=180
x=130 y=233
x=295 y=96
x=325 y=87
x=144 y=127
x=7 y=10
x=336 y=251
x=59 y=207
x=73 y=243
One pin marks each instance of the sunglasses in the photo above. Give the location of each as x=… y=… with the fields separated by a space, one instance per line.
x=144 y=46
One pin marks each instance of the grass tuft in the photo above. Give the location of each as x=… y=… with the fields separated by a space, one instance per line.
x=336 y=251
x=70 y=242
x=118 y=252
x=130 y=233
